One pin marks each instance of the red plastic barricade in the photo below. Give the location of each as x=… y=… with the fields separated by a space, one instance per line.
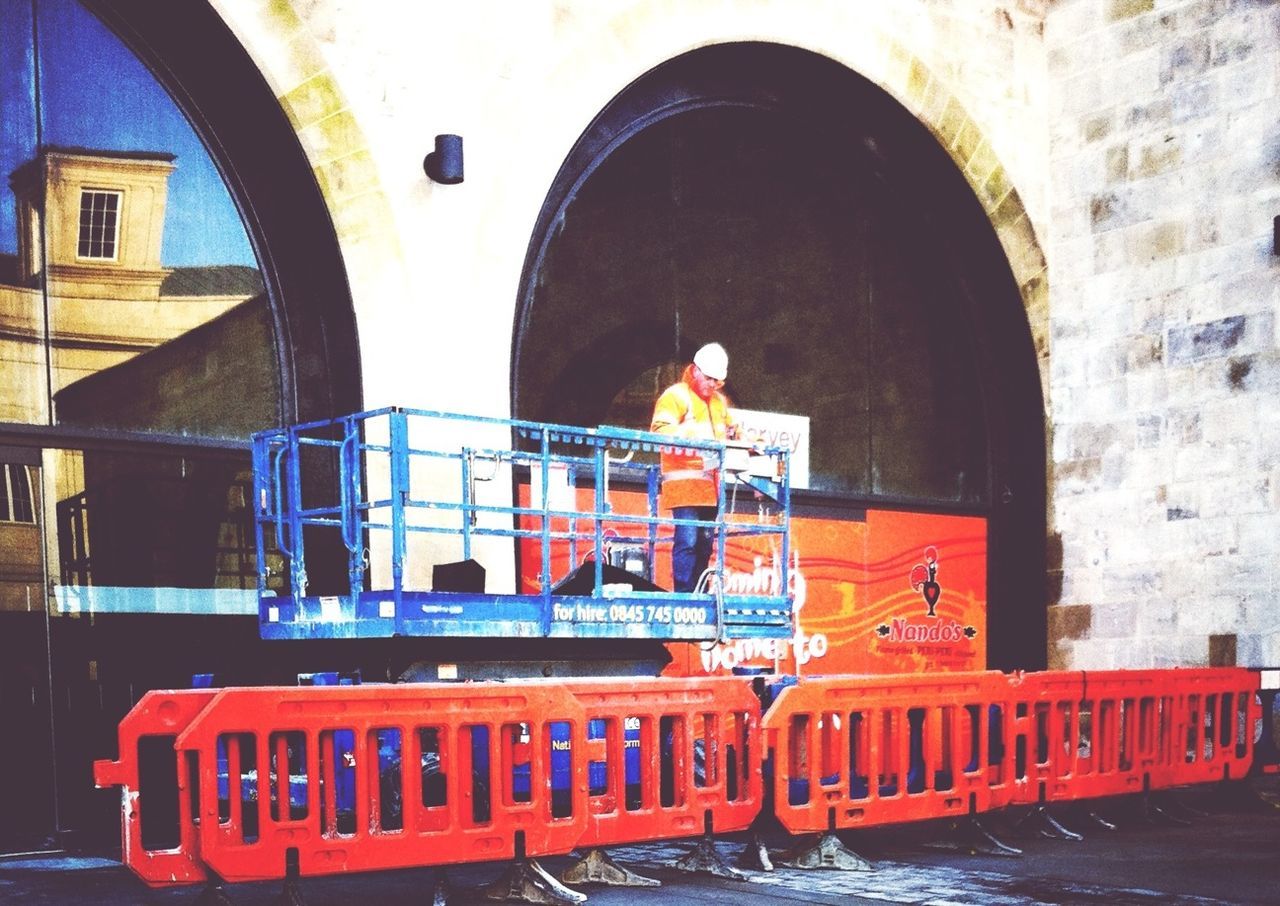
x=1083 y=735
x=666 y=754
x=1215 y=714
x=363 y=778
x=159 y=850
x=864 y=751
x=1046 y=734
x=1107 y=733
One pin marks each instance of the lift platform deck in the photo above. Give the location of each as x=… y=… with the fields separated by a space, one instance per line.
x=405 y=512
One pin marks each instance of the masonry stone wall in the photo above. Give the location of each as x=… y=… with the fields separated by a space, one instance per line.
x=1125 y=150
x=367 y=86
x=1165 y=179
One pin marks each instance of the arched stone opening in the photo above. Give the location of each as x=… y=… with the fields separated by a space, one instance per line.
x=775 y=200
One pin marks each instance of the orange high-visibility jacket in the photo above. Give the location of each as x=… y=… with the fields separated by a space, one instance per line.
x=686 y=479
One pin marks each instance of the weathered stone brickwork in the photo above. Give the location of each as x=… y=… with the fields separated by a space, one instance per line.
x=1126 y=151
x=1165 y=178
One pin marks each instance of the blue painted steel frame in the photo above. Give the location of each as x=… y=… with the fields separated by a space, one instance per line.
x=283 y=516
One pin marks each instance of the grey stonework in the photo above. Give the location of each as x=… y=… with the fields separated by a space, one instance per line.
x=1164 y=377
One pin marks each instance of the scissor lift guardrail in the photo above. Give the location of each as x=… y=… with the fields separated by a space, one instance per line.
x=383 y=459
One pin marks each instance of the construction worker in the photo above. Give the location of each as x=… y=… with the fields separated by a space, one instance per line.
x=693 y=408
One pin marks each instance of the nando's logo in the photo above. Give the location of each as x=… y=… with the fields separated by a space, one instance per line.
x=924 y=581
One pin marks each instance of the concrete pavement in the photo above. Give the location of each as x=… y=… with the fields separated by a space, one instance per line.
x=1228 y=854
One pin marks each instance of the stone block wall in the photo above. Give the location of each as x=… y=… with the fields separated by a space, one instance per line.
x=1133 y=145
x=1165 y=468
x=367 y=86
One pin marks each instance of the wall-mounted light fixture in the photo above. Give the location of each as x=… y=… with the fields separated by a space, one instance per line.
x=444 y=165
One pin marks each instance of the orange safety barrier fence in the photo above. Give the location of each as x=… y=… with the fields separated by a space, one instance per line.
x=1047 y=735
x=159 y=843
x=1087 y=735
x=1107 y=733
x=253 y=783
x=864 y=751
x=667 y=753
x=363 y=778
x=360 y=778
x=1217 y=711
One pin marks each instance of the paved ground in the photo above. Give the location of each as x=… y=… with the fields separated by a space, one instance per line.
x=1229 y=853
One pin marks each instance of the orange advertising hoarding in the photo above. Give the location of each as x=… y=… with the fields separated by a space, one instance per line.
x=894 y=592
x=863 y=591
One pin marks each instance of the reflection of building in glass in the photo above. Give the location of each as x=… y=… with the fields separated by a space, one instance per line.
x=19 y=539
x=101 y=217
x=155 y=522
x=89 y=313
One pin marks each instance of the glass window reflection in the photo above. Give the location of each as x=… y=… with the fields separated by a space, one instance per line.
x=118 y=237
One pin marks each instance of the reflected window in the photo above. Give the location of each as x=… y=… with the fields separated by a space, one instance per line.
x=98 y=224
x=16 y=501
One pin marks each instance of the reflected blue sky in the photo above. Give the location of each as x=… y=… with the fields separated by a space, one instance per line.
x=96 y=94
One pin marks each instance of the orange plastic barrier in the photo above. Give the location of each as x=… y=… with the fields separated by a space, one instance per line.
x=248 y=783
x=363 y=778
x=863 y=751
x=1107 y=733
x=1216 y=712
x=1081 y=735
x=1046 y=734
x=667 y=753
x=159 y=851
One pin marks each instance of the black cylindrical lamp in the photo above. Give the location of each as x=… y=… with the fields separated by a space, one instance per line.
x=444 y=165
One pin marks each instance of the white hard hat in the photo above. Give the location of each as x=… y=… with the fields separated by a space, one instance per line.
x=712 y=361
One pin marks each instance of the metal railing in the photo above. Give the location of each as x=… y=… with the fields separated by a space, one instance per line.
x=368 y=484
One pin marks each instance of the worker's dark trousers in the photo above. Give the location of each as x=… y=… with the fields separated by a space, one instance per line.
x=691 y=547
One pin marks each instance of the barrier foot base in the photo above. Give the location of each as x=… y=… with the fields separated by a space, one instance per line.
x=1178 y=806
x=755 y=857
x=828 y=852
x=529 y=882
x=597 y=868
x=968 y=835
x=291 y=895
x=213 y=895
x=440 y=889
x=1041 y=822
x=705 y=859
x=1097 y=821
x=1153 y=813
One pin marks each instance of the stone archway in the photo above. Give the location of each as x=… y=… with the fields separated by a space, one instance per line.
x=978 y=246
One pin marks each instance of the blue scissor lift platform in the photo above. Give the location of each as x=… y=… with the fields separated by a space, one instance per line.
x=393 y=488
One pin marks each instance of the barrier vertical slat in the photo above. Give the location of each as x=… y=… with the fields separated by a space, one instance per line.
x=845 y=758
x=360 y=779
